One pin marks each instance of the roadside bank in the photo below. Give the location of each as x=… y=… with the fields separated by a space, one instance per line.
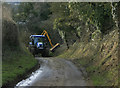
x=17 y=67
x=99 y=58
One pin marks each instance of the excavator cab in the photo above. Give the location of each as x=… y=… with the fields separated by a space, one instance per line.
x=37 y=41
x=39 y=44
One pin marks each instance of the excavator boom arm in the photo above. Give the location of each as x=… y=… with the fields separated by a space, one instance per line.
x=45 y=33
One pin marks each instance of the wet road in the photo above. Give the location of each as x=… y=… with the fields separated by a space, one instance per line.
x=55 y=72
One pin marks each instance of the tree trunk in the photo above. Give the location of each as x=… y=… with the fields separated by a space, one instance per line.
x=118 y=14
x=66 y=41
x=77 y=36
x=115 y=12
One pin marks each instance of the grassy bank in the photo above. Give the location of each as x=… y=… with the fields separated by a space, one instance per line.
x=16 y=59
x=16 y=63
x=100 y=59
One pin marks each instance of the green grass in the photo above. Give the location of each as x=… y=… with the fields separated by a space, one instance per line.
x=98 y=80
x=15 y=64
x=91 y=60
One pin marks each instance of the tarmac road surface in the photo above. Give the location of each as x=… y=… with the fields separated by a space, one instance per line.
x=54 y=72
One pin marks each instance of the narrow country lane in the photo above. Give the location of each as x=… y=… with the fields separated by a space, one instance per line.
x=55 y=72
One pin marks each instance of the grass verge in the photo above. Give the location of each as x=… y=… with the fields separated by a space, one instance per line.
x=16 y=64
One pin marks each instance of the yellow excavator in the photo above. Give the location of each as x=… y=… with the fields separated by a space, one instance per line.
x=38 y=44
x=53 y=46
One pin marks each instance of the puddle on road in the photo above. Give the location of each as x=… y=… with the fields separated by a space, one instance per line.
x=30 y=80
x=32 y=77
